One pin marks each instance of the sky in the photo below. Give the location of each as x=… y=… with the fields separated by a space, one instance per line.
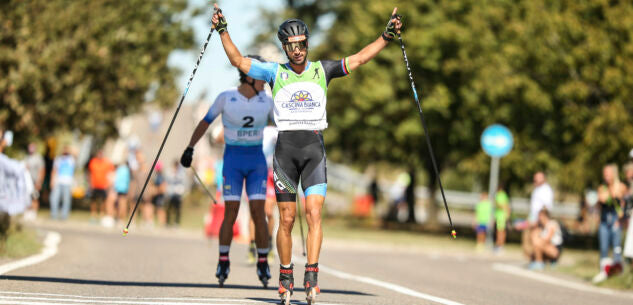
x=215 y=73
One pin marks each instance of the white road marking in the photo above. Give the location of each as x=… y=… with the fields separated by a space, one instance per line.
x=55 y=295
x=518 y=271
x=66 y=301
x=149 y=303
x=375 y=282
x=9 y=297
x=50 y=248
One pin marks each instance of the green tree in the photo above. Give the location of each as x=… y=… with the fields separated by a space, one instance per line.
x=84 y=64
x=557 y=73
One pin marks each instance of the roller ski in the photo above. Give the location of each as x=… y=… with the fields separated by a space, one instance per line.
x=263 y=271
x=310 y=283
x=222 y=272
x=286 y=284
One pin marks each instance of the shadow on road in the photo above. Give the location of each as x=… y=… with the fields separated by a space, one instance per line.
x=153 y=284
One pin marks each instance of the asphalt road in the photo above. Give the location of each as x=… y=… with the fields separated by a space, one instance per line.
x=97 y=266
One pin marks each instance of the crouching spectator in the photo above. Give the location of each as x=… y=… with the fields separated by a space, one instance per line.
x=547 y=241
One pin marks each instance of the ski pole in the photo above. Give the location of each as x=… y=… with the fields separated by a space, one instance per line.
x=173 y=119
x=426 y=133
x=303 y=241
x=203 y=185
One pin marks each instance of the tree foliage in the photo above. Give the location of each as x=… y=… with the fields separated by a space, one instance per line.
x=85 y=64
x=557 y=73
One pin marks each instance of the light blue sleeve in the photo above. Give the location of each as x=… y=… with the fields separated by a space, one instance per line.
x=216 y=109
x=263 y=70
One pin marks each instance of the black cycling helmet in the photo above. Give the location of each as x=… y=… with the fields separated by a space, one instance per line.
x=242 y=74
x=290 y=28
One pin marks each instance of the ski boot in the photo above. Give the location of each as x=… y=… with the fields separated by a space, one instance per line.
x=310 y=283
x=222 y=272
x=286 y=284
x=263 y=271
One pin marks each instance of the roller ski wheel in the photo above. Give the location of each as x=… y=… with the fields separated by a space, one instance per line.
x=286 y=284
x=311 y=294
x=221 y=280
x=222 y=272
x=285 y=298
x=310 y=283
x=263 y=271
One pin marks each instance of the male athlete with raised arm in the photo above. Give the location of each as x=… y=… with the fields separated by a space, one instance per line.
x=299 y=90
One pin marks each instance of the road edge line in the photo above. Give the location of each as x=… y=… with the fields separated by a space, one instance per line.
x=379 y=283
x=51 y=242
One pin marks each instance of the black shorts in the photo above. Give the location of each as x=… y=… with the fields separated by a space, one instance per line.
x=99 y=194
x=158 y=200
x=175 y=199
x=299 y=154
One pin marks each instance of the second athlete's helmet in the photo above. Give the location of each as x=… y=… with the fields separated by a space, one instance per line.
x=290 y=28
x=242 y=74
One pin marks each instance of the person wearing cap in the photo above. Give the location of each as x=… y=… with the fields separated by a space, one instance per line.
x=245 y=111
x=299 y=89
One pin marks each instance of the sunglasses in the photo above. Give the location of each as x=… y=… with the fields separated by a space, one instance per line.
x=290 y=46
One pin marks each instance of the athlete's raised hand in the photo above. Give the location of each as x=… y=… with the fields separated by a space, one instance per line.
x=218 y=20
x=393 y=26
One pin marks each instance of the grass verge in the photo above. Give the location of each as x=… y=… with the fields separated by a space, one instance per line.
x=586 y=266
x=20 y=242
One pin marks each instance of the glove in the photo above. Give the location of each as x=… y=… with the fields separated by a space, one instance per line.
x=187 y=155
x=218 y=21
x=391 y=30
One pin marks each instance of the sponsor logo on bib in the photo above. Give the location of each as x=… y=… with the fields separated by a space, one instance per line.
x=301 y=100
x=284 y=75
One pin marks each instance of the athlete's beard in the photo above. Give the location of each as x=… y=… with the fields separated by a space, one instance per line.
x=298 y=63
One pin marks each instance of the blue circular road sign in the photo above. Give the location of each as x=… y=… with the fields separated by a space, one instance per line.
x=497 y=140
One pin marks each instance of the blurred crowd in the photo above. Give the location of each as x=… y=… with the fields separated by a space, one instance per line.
x=543 y=237
x=51 y=175
x=110 y=189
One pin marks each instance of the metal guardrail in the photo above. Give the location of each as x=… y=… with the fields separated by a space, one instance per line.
x=344 y=179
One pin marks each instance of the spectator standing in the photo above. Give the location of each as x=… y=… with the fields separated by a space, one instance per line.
x=61 y=181
x=159 y=188
x=628 y=244
x=611 y=201
x=122 y=179
x=397 y=197
x=100 y=169
x=409 y=195
x=483 y=209
x=176 y=186
x=15 y=186
x=373 y=189
x=502 y=214
x=34 y=163
x=139 y=170
x=547 y=240
x=542 y=197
